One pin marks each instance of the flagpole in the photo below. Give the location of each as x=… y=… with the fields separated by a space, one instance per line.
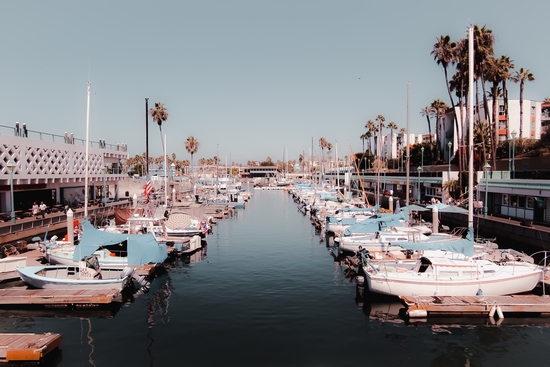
x=87 y=163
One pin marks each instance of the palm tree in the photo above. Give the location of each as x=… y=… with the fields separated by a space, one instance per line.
x=392 y=126
x=439 y=107
x=192 y=146
x=428 y=113
x=483 y=51
x=521 y=77
x=380 y=119
x=444 y=55
x=159 y=115
x=506 y=65
x=371 y=126
x=547 y=100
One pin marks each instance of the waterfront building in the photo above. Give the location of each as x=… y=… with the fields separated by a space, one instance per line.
x=52 y=168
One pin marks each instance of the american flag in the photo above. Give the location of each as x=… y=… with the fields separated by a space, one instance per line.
x=148 y=187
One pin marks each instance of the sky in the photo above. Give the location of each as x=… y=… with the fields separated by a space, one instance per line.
x=249 y=79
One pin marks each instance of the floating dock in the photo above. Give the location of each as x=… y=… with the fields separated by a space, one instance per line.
x=59 y=298
x=423 y=306
x=27 y=347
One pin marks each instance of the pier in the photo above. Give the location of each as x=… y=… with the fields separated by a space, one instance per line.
x=28 y=348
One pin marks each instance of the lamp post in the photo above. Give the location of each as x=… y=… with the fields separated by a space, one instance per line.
x=104 y=169
x=514 y=133
x=449 y=144
x=418 y=185
x=486 y=169
x=509 y=154
x=11 y=167
x=385 y=170
x=422 y=150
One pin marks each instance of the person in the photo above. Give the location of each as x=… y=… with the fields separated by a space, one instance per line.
x=42 y=208
x=391 y=192
x=35 y=209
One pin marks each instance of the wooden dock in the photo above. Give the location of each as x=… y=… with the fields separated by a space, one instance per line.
x=59 y=298
x=27 y=347
x=423 y=306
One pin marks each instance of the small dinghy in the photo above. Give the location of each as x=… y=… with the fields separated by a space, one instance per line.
x=87 y=275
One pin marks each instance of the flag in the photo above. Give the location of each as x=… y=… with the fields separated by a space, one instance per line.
x=148 y=187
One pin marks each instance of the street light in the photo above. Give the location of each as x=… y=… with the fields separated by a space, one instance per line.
x=104 y=169
x=422 y=150
x=11 y=167
x=514 y=133
x=418 y=185
x=509 y=154
x=385 y=170
x=449 y=144
x=486 y=168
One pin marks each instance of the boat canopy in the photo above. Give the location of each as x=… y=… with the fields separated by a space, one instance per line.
x=463 y=246
x=343 y=221
x=142 y=248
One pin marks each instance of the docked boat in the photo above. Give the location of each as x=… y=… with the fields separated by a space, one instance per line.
x=87 y=275
x=112 y=249
x=458 y=275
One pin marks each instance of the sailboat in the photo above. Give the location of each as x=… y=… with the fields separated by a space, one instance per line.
x=456 y=273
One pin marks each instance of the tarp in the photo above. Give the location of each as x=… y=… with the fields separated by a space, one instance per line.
x=376 y=223
x=344 y=221
x=142 y=248
x=462 y=246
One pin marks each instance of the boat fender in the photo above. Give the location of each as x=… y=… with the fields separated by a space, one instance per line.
x=493 y=310
x=499 y=313
x=417 y=313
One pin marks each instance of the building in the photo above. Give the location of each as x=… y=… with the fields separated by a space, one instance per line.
x=52 y=168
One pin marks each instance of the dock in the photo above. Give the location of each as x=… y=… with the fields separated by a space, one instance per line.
x=424 y=306
x=59 y=298
x=27 y=347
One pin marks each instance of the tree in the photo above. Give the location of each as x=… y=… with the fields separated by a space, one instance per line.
x=521 y=77
x=380 y=120
x=428 y=113
x=439 y=108
x=371 y=126
x=159 y=114
x=392 y=126
x=192 y=146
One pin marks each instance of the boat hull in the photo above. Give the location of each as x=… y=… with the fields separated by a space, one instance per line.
x=67 y=277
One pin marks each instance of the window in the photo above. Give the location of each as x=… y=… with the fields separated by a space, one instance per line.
x=501 y=110
x=530 y=202
x=505 y=199
x=513 y=200
x=521 y=201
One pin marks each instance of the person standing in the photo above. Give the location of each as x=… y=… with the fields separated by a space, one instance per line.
x=35 y=209
x=42 y=208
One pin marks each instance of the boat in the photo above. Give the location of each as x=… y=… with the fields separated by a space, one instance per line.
x=86 y=275
x=111 y=248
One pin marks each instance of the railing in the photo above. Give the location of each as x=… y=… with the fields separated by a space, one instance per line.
x=22 y=131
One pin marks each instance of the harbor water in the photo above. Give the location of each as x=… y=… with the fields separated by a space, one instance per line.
x=265 y=291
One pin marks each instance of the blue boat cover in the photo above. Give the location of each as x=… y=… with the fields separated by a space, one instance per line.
x=462 y=246
x=344 y=221
x=142 y=248
x=376 y=223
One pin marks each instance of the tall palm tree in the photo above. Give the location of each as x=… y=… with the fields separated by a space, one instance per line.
x=439 y=107
x=521 y=77
x=192 y=146
x=380 y=120
x=506 y=65
x=392 y=126
x=323 y=143
x=428 y=113
x=444 y=55
x=159 y=114
x=371 y=126
x=483 y=51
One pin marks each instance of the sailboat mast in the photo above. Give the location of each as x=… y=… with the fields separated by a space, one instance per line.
x=471 y=127
x=87 y=156
x=407 y=141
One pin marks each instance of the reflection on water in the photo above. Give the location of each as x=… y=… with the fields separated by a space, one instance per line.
x=268 y=293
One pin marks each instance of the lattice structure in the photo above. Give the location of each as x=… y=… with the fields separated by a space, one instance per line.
x=38 y=161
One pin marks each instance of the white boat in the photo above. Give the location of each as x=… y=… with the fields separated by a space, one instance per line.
x=9 y=265
x=82 y=276
x=461 y=274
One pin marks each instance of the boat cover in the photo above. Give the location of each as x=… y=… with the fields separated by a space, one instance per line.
x=142 y=248
x=462 y=246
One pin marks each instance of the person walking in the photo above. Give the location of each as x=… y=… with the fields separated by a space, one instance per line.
x=42 y=208
x=35 y=210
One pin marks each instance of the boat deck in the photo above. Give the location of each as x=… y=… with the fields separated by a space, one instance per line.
x=423 y=306
x=27 y=347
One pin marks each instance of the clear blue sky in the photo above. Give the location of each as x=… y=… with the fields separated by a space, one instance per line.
x=252 y=77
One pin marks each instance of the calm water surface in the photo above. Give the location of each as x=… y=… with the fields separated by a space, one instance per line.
x=266 y=292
